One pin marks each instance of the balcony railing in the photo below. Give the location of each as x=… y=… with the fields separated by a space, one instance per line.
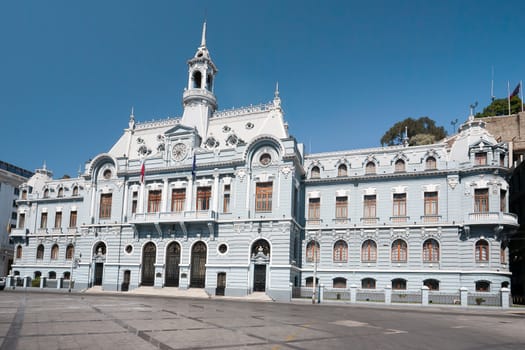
x=341 y=221
x=198 y=215
x=492 y=218
x=429 y=219
x=313 y=222
x=16 y=232
x=399 y=219
x=369 y=221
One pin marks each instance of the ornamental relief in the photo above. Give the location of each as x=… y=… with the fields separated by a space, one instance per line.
x=369 y=234
x=403 y=233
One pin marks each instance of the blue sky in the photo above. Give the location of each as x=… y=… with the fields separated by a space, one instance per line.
x=347 y=70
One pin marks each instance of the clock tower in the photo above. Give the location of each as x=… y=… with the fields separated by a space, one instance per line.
x=198 y=99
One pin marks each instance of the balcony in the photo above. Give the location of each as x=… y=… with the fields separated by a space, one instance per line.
x=18 y=232
x=481 y=218
x=431 y=219
x=369 y=221
x=313 y=222
x=399 y=219
x=170 y=217
x=341 y=221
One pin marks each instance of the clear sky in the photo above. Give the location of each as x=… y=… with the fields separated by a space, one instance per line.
x=347 y=70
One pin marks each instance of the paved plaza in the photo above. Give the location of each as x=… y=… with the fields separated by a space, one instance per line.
x=48 y=321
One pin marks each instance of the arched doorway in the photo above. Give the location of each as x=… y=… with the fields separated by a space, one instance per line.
x=149 y=255
x=198 y=265
x=172 y=265
x=260 y=254
x=99 y=257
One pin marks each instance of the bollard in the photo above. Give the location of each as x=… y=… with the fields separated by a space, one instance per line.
x=353 y=293
x=424 y=295
x=388 y=294
x=463 y=291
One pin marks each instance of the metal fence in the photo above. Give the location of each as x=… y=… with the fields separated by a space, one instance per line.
x=370 y=295
x=484 y=299
x=444 y=298
x=406 y=297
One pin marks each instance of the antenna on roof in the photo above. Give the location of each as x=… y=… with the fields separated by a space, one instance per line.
x=492 y=97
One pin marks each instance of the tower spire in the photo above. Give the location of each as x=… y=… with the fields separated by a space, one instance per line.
x=203 y=39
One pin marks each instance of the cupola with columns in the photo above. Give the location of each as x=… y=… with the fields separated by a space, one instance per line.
x=198 y=99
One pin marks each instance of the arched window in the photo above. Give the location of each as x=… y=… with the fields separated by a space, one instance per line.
x=340 y=251
x=52 y=275
x=37 y=274
x=369 y=251
x=67 y=275
x=482 y=286
x=431 y=250
x=99 y=249
x=46 y=193
x=399 y=251
x=341 y=170
x=19 y=252
x=339 y=282
x=197 y=79
x=400 y=166
x=482 y=251
x=310 y=281
x=209 y=82
x=70 y=251
x=312 y=250
x=60 y=192
x=40 y=252
x=315 y=173
x=399 y=284
x=24 y=194
x=75 y=191
x=368 y=283
x=370 y=168
x=54 y=252
x=431 y=283
x=430 y=163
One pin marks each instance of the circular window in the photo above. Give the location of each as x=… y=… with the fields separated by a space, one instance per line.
x=249 y=125
x=107 y=174
x=223 y=248
x=265 y=159
x=129 y=249
x=226 y=128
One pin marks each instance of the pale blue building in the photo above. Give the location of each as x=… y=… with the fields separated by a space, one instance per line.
x=227 y=201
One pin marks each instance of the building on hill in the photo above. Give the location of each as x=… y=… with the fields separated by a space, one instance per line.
x=227 y=201
x=11 y=177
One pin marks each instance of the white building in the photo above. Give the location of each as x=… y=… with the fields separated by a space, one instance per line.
x=216 y=200
x=11 y=177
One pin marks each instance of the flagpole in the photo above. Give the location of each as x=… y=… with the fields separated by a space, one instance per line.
x=508 y=94
x=521 y=91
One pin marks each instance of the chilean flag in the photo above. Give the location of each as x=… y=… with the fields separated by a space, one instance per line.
x=142 y=172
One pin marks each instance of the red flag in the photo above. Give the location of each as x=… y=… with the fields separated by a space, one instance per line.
x=516 y=91
x=142 y=172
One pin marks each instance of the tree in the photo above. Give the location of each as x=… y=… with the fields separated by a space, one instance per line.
x=421 y=131
x=500 y=106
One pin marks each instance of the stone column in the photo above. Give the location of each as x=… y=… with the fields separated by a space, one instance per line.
x=142 y=194
x=505 y=295
x=463 y=292
x=388 y=294
x=321 y=293
x=59 y=282
x=215 y=191
x=424 y=295
x=8 y=282
x=42 y=282
x=189 y=193
x=165 y=197
x=353 y=293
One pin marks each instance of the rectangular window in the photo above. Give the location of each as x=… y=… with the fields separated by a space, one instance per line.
x=16 y=191
x=21 y=220
x=263 y=196
x=481 y=200
x=369 y=206
x=58 y=219
x=43 y=220
x=178 y=197
x=314 y=208
x=502 y=159
x=73 y=218
x=154 y=198
x=341 y=208
x=134 y=202
x=431 y=203
x=481 y=158
x=14 y=215
x=203 y=198
x=226 y=200
x=399 y=207
x=105 y=205
x=503 y=201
